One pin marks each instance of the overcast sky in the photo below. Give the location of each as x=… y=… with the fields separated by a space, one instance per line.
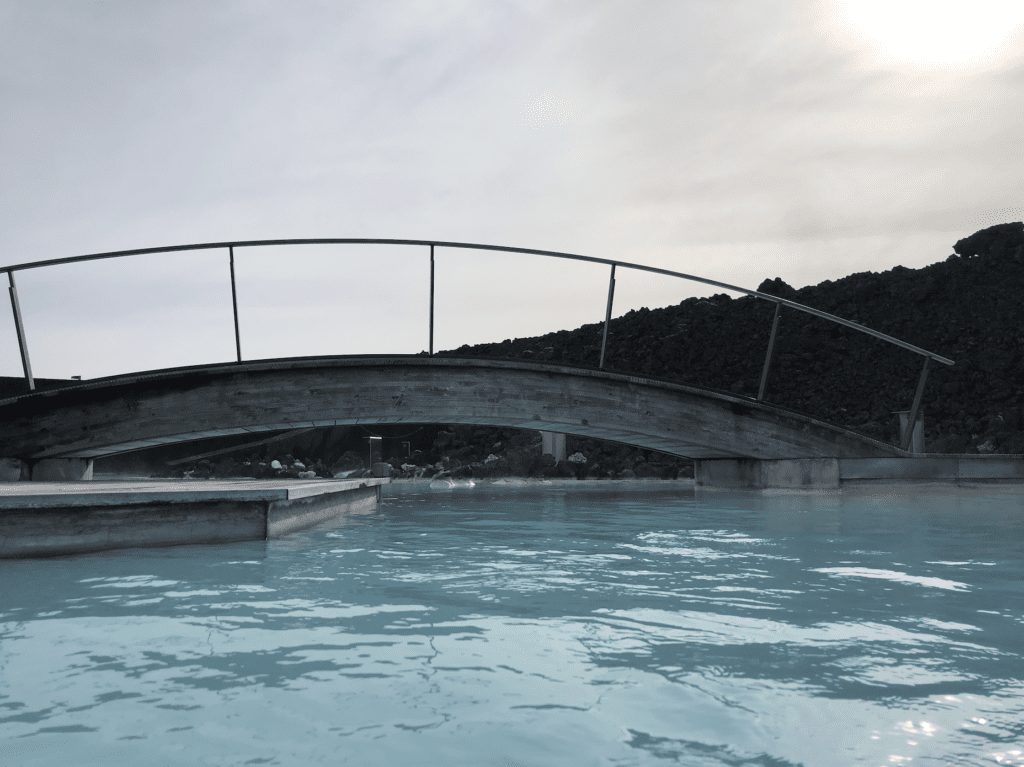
x=737 y=140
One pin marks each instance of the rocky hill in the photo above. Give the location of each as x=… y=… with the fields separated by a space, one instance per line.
x=969 y=307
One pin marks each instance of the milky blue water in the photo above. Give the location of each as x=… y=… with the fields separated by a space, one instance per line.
x=617 y=625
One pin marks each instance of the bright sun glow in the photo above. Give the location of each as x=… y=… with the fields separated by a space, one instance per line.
x=934 y=33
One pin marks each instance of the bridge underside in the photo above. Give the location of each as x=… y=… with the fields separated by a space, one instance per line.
x=125 y=413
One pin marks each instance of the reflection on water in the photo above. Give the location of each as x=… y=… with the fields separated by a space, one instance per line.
x=538 y=626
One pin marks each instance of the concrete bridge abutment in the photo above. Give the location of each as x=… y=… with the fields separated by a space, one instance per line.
x=46 y=470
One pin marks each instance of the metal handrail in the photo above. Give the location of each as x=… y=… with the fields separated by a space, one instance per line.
x=231 y=246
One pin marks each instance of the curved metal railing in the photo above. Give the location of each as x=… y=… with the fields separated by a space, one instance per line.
x=614 y=264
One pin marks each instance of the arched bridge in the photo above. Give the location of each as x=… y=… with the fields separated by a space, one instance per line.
x=106 y=416
x=132 y=412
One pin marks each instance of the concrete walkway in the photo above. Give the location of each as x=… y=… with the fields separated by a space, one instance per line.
x=44 y=495
x=54 y=518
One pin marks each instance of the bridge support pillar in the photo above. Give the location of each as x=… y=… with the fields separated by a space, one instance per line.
x=62 y=469
x=553 y=443
x=751 y=473
x=13 y=470
x=914 y=441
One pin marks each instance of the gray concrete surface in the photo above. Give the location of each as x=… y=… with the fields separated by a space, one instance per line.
x=53 y=518
x=829 y=473
x=748 y=473
x=938 y=468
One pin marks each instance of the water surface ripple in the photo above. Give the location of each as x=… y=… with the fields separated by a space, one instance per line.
x=578 y=625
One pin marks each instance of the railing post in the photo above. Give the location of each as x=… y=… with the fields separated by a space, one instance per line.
x=234 y=303
x=607 y=316
x=768 y=354
x=916 y=407
x=431 y=347
x=19 y=328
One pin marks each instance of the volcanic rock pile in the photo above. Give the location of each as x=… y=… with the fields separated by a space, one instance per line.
x=969 y=307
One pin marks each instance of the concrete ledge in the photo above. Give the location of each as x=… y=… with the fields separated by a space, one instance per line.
x=288 y=516
x=828 y=473
x=934 y=468
x=990 y=467
x=755 y=474
x=51 y=532
x=47 y=519
x=44 y=495
x=937 y=468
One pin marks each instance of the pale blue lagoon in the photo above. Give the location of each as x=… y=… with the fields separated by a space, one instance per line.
x=615 y=624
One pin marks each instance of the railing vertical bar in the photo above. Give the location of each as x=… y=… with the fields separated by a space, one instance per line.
x=234 y=303
x=481 y=246
x=916 y=407
x=431 y=301
x=769 y=354
x=19 y=328
x=607 y=316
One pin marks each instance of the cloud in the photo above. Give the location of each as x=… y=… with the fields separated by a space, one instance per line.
x=740 y=141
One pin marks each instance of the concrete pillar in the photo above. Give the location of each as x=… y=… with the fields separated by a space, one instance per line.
x=62 y=469
x=727 y=472
x=917 y=439
x=754 y=474
x=12 y=470
x=553 y=443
